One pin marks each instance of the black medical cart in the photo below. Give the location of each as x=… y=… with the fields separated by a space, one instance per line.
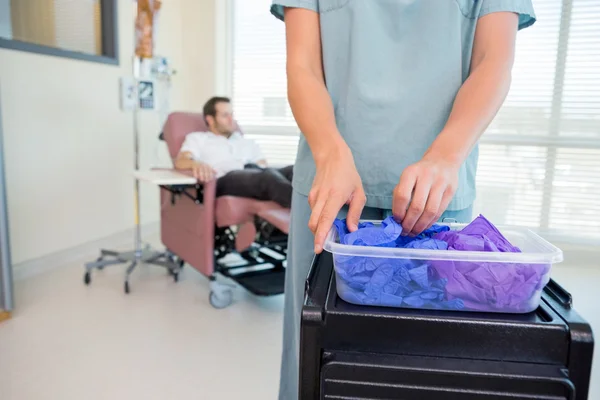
x=359 y=352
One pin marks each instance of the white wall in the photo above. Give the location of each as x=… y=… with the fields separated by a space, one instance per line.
x=5 y=24
x=69 y=148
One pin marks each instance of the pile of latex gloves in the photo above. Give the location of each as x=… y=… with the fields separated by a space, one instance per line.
x=436 y=284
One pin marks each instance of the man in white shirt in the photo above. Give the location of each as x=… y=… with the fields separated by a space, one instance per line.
x=235 y=161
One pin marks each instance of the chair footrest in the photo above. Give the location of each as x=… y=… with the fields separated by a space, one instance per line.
x=279 y=217
x=267 y=282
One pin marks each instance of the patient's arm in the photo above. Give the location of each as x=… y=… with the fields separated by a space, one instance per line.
x=257 y=157
x=202 y=171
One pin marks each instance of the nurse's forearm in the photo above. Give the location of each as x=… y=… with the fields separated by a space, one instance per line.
x=475 y=106
x=307 y=93
x=313 y=111
x=483 y=93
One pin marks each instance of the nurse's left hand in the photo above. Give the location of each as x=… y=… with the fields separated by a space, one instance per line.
x=423 y=193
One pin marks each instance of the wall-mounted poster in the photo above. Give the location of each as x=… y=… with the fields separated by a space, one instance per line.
x=145 y=27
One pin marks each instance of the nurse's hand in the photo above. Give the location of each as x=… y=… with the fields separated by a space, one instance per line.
x=423 y=193
x=336 y=184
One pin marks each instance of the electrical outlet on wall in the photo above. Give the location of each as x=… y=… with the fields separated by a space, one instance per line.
x=128 y=93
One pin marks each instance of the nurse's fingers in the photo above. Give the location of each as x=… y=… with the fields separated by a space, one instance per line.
x=317 y=207
x=328 y=214
x=312 y=197
x=357 y=204
x=431 y=210
x=446 y=199
x=403 y=193
x=417 y=204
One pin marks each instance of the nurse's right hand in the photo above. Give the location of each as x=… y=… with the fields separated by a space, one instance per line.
x=337 y=183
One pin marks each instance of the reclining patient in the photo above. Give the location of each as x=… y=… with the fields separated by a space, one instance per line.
x=235 y=161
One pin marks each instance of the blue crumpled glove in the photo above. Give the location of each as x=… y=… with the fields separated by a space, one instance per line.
x=390 y=281
x=387 y=235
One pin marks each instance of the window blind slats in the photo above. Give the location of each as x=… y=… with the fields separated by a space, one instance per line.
x=551 y=184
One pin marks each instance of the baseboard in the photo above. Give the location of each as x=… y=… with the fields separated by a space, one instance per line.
x=4 y=315
x=90 y=250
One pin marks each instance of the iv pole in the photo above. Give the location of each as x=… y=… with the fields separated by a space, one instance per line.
x=139 y=255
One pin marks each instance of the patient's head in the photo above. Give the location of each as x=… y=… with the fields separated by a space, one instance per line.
x=219 y=116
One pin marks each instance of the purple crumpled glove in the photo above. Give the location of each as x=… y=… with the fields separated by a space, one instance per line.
x=479 y=235
x=490 y=285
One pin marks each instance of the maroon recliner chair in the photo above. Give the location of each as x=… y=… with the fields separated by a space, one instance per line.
x=202 y=230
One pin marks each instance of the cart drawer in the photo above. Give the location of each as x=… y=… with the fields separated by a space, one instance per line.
x=372 y=376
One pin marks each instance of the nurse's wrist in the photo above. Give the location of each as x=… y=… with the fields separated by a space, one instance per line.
x=448 y=155
x=334 y=148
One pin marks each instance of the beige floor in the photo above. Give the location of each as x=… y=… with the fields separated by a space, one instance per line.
x=163 y=341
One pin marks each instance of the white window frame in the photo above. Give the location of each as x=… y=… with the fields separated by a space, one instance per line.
x=224 y=18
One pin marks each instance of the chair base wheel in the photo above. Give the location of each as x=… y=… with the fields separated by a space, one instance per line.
x=87 y=278
x=126 y=287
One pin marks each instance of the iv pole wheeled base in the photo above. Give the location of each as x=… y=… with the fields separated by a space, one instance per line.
x=146 y=256
x=139 y=255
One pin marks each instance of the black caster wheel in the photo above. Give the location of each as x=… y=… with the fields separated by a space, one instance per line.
x=179 y=262
x=87 y=278
x=174 y=273
x=221 y=301
x=127 y=287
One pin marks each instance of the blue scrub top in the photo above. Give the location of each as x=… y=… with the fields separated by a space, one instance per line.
x=393 y=69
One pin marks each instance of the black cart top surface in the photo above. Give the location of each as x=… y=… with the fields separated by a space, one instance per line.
x=542 y=336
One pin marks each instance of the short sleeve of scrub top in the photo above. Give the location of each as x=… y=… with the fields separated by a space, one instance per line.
x=393 y=69
x=279 y=5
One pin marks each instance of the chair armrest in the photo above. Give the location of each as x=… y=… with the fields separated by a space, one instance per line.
x=209 y=190
x=199 y=193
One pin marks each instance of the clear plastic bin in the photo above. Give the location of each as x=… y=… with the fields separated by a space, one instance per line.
x=445 y=279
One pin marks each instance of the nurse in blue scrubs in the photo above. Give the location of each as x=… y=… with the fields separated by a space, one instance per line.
x=391 y=97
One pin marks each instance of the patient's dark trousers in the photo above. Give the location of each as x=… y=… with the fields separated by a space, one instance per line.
x=267 y=184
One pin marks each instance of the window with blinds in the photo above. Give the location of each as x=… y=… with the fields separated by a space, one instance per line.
x=78 y=25
x=58 y=27
x=259 y=80
x=540 y=158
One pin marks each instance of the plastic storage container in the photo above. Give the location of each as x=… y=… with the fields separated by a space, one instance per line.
x=446 y=279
